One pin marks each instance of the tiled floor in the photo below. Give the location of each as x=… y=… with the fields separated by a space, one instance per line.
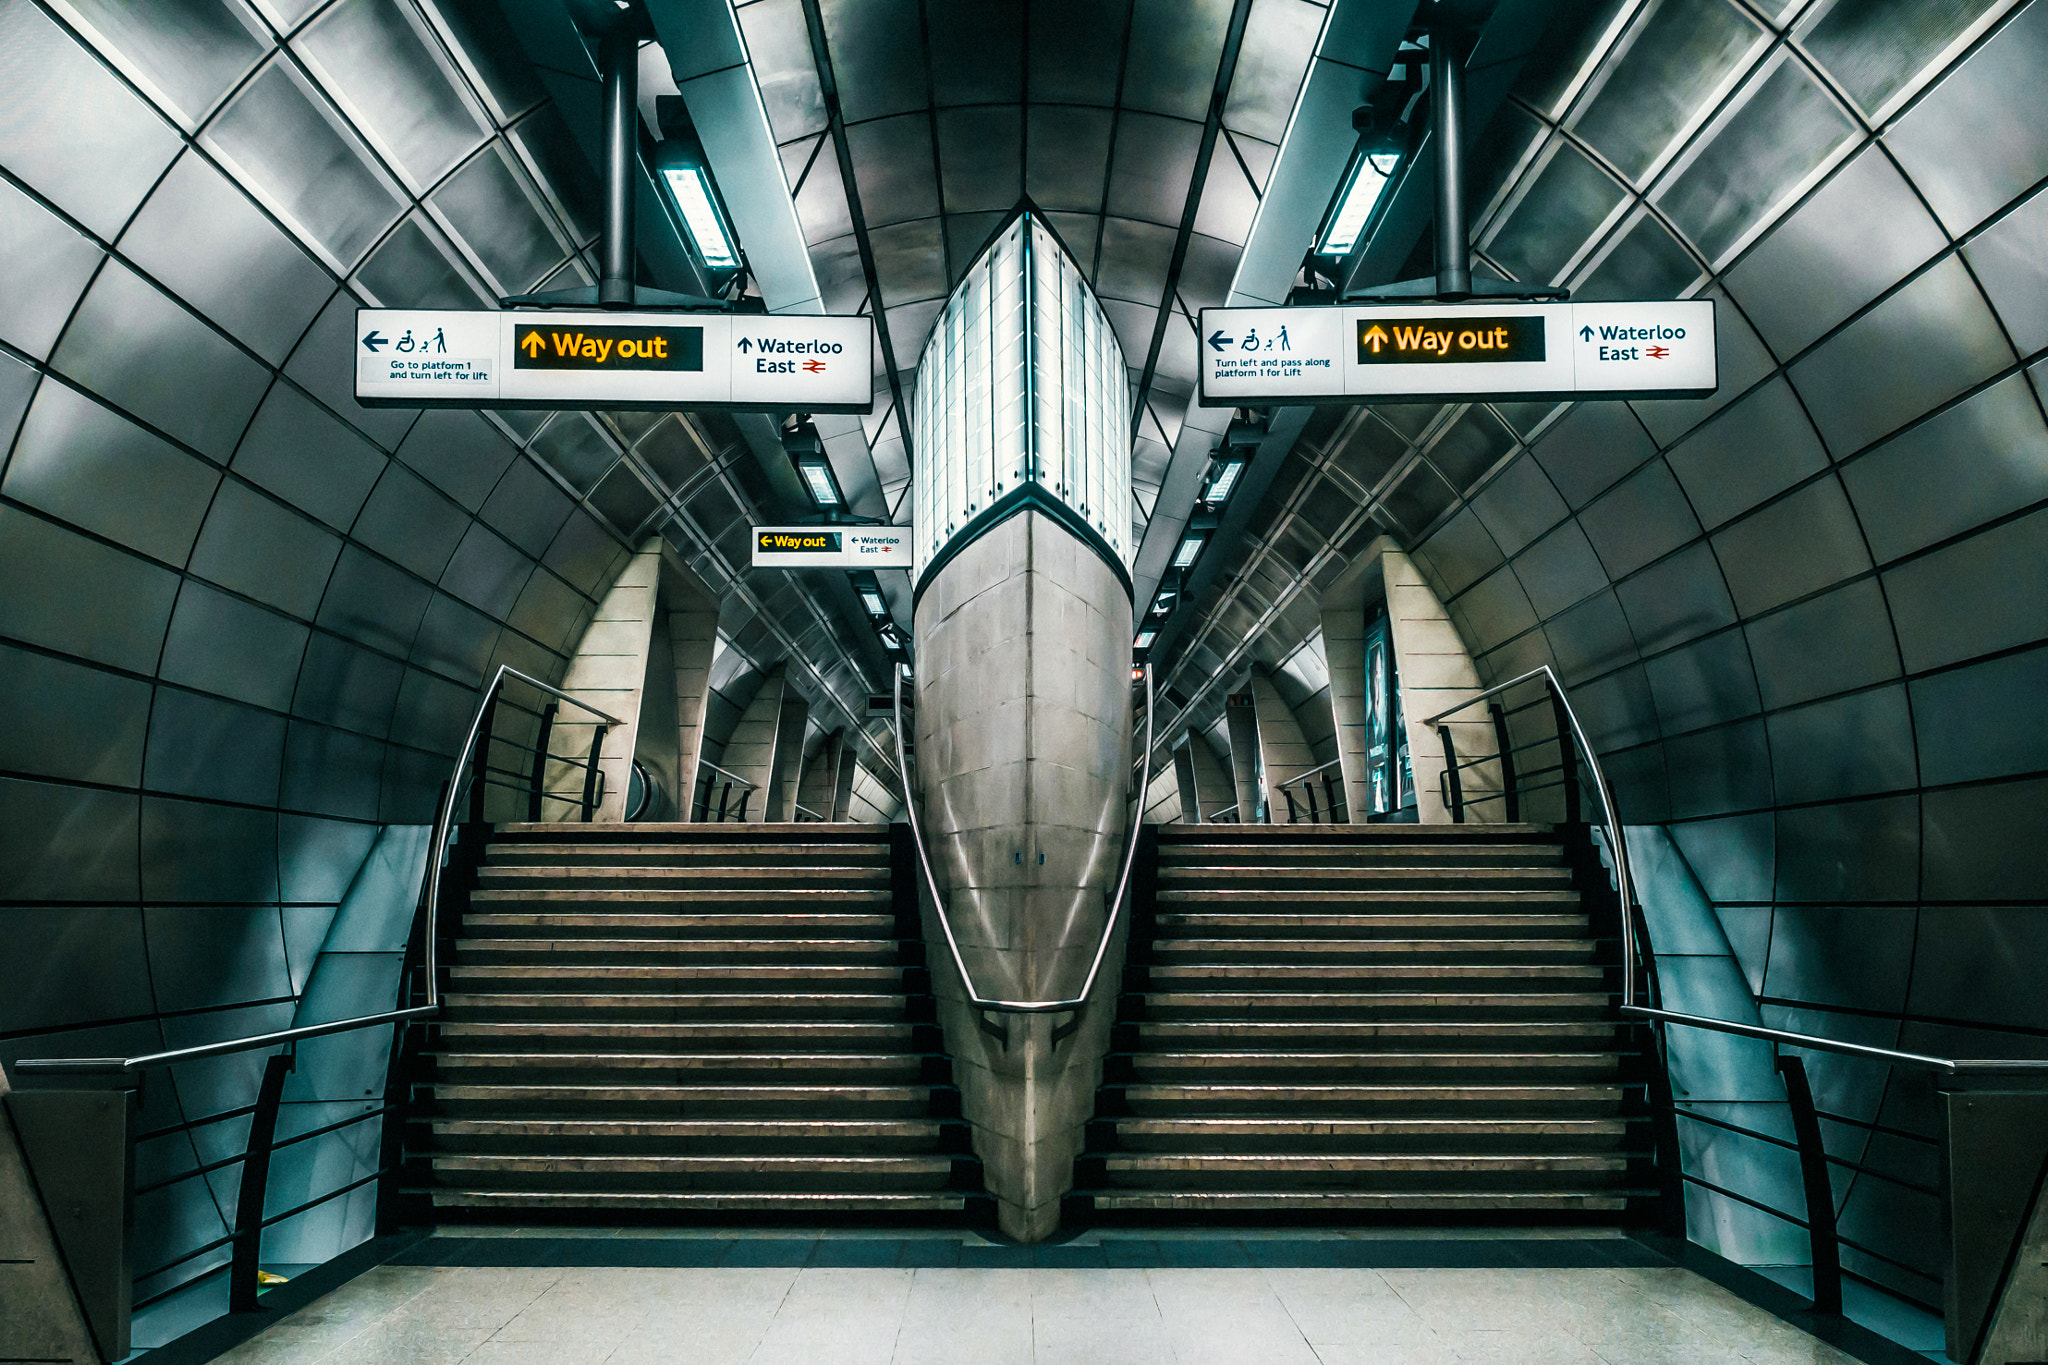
x=806 y=1313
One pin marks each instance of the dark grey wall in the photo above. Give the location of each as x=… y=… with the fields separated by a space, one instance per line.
x=1805 y=617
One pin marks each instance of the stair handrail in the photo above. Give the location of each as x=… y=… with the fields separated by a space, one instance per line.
x=1633 y=950
x=429 y=906
x=931 y=882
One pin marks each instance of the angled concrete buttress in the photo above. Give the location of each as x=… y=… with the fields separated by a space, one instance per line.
x=1022 y=628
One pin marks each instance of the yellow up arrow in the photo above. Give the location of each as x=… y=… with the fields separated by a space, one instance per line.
x=1376 y=338
x=533 y=345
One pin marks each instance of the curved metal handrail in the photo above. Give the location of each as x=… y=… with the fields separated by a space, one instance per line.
x=1631 y=947
x=931 y=881
x=430 y=907
x=1617 y=840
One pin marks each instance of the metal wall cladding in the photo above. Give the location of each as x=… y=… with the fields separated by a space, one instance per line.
x=242 y=619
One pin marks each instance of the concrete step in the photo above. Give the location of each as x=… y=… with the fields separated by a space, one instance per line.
x=1183 y=853
x=1335 y=1201
x=736 y=1136
x=681 y=923
x=1380 y=1172
x=580 y=952
x=567 y=1101
x=1256 y=924
x=1303 y=1098
x=1392 y=1005
x=1250 y=899
x=669 y=831
x=588 y=1172
x=1353 y=1034
x=671 y=1006
x=1261 y=835
x=757 y=899
x=1373 y=950
x=1359 y=976
x=778 y=880
x=1273 y=1133
x=752 y=1035
x=720 y=853
x=681 y=1068
x=789 y=1204
x=1443 y=1067
x=1332 y=877
x=733 y=976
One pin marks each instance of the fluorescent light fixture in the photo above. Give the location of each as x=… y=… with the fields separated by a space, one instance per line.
x=872 y=600
x=1227 y=475
x=1364 y=181
x=817 y=476
x=1162 y=604
x=1145 y=639
x=690 y=187
x=1189 y=548
x=891 y=640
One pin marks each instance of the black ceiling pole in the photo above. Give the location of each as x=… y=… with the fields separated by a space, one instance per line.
x=619 y=53
x=1447 y=115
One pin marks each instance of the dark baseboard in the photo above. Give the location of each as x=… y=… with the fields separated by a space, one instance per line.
x=224 y=1333
x=1784 y=1304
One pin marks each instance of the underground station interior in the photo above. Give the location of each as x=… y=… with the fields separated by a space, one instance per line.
x=1333 y=681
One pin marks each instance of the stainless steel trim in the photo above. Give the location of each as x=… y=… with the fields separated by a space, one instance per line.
x=436 y=852
x=1308 y=772
x=931 y=882
x=1818 y=1044
x=1617 y=845
x=1618 y=849
x=707 y=763
x=151 y=1060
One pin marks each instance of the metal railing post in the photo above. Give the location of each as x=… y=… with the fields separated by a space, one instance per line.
x=1820 y=1190
x=1509 y=795
x=480 y=756
x=540 y=758
x=248 y=1246
x=590 y=773
x=1567 y=752
x=1454 y=790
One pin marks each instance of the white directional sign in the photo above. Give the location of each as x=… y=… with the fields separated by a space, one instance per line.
x=832 y=547
x=1450 y=351
x=547 y=359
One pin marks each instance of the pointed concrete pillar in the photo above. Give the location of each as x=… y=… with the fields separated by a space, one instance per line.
x=609 y=671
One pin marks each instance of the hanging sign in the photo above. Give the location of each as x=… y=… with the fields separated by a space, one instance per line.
x=418 y=358
x=1452 y=351
x=832 y=547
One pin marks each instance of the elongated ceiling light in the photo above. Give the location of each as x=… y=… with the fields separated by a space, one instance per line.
x=1364 y=182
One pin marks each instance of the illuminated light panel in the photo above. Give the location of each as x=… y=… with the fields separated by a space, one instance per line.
x=872 y=600
x=1189 y=548
x=691 y=190
x=1219 y=491
x=818 y=478
x=1362 y=190
x=1145 y=639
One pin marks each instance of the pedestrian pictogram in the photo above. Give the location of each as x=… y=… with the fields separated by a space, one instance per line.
x=1490 y=348
x=650 y=360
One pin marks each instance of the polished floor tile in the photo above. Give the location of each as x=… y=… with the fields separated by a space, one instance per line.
x=1068 y=1310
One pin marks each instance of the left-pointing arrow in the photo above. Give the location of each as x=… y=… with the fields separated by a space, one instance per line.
x=1218 y=340
x=374 y=340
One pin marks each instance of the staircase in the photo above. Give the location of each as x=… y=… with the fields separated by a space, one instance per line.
x=1367 y=1019
x=672 y=1020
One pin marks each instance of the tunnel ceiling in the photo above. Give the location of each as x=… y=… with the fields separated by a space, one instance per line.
x=1098 y=113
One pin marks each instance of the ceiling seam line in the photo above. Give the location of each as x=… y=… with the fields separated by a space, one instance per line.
x=835 y=124
x=1116 y=109
x=1226 y=74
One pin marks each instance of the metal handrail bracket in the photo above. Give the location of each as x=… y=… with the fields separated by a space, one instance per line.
x=974 y=997
x=1631 y=946
x=431 y=907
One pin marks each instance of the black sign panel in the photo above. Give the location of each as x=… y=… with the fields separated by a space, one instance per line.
x=798 y=542
x=1455 y=341
x=538 y=346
